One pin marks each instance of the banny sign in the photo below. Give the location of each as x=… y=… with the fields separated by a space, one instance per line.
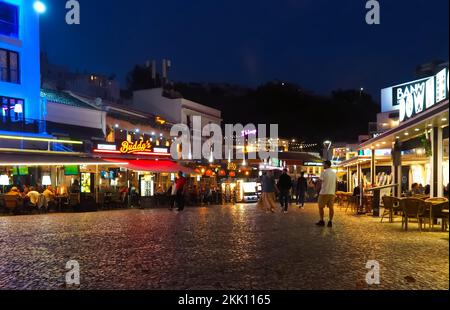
x=416 y=97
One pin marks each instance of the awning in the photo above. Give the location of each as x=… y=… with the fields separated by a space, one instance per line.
x=413 y=128
x=13 y=159
x=157 y=166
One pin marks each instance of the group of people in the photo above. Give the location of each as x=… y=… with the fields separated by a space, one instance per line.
x=39 y=197
x=31 y=196
x=419 y=189
x=327 y=192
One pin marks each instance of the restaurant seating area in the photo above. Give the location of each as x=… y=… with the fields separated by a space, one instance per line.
x=17 y=205
x=105 y=200
x=420 y=209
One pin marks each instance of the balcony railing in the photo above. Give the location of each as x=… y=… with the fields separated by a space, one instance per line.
x=27 y=125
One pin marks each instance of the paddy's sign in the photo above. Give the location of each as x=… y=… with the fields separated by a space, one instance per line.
x=413 y=98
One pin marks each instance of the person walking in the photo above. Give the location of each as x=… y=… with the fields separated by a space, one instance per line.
x=285 y=185
x=172 y=193
x=327 y=194
x=268 y=192
x=180 y=183
x=302 y=186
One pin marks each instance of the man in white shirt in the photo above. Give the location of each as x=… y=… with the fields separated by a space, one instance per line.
x=327 y=194
x=33 y=195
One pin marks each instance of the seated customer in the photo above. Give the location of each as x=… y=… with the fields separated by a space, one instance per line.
x=49 y=193
x=415 y=190
x=14 y=191
x=33 y=196
x=50 y=196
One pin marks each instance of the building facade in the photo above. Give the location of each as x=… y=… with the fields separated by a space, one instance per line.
x=21 y=107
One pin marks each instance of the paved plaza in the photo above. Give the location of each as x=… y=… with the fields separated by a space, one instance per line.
x=218 y=247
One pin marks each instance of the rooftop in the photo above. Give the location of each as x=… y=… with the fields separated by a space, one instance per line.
x=63 y=97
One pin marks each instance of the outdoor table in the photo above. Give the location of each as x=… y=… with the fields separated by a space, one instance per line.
x=377 y=197
x=429 y=209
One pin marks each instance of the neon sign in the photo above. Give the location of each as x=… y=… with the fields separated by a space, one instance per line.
x=136 y=147
x=416 y=97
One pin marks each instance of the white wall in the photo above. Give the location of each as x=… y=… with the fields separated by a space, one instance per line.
x=174 y=110
x=152 y=101
x=209 y=114
x=63 y=114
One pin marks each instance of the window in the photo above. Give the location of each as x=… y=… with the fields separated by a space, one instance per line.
x=9 y=20
x=9 y=66
x=12 y=110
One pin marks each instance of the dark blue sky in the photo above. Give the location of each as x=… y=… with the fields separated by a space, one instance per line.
x=320 y=44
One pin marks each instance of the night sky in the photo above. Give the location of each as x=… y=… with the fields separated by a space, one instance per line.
x=321 y=45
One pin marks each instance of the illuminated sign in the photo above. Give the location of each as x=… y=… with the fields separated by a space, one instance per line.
x=312 y=164
x=249 y=132
x=133 y=148
x=232 y=166
x=416 y=97
x=109 y=147
x=381 y=152
x=136 y=147
x=161 y=150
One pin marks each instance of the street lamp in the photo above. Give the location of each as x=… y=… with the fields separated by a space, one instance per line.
x=40 y=7
x=327 y=145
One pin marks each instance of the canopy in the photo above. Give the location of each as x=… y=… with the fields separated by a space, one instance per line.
x=164 y=166
x=47 y=159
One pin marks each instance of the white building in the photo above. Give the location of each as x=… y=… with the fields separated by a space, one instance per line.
x=178 y=111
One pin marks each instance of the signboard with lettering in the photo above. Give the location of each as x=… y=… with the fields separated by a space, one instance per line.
x=416 y=97
x=313 y=164
x=107 y=147
x=135 y=147
x=232 y=166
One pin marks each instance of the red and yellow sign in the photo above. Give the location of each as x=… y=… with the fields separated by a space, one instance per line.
x=232 y=166
x=136 y=147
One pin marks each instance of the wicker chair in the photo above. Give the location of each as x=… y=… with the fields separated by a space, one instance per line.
x=352 y=203
x=391 y=205
x=11 y=203
x=412 y=208
x=436 y=213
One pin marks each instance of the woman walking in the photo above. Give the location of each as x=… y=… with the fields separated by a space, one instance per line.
x=269 y=189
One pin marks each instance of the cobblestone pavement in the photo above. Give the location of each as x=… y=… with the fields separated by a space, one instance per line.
x=229 y=247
